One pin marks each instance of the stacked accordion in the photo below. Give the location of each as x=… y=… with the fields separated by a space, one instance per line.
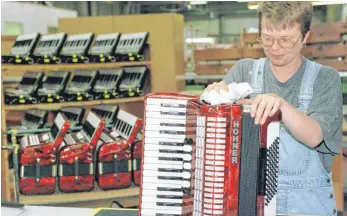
x=199 y=159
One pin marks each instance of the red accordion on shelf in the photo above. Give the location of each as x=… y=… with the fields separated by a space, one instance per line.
x=38 y=162
x=76 y=157
x=114 y=159
x=200 y=159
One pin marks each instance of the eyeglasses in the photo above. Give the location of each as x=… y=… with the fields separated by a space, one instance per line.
x=284 y=43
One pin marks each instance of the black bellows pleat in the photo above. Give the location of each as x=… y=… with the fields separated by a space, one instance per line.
x=248 y=167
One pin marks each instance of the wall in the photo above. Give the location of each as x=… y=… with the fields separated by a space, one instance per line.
x=34 y=18
x=232 y=25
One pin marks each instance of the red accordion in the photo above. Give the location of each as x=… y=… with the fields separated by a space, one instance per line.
x=38 y=162
x=76 y=157
x=114 y=159
x=200 y=159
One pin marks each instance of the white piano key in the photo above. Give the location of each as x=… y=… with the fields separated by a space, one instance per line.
x=153 y=199
x=154 y=147
x=149 y=210
x=164 y=181
x=154 y=160
x=152 y=173
x=160 y=101
x=157 y=192
x=152 y=166
x=156 y=108
x=156 y=207
x=155 y=121
x=169 y=128
x=156 y=185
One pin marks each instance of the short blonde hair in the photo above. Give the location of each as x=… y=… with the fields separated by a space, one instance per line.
x=287 y=14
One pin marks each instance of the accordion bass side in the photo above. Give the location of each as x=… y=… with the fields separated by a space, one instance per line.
x=114 y=156
x=200 y=159
x=76 y=156
x=38 y=155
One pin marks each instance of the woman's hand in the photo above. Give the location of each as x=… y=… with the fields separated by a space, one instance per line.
x=263 y=106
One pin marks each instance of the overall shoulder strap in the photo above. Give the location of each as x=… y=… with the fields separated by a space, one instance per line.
x=307 y=84
x=257 y=75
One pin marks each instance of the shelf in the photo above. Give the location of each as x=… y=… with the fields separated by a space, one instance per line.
x=72 y=66
x=78 y=197
x=57 y=106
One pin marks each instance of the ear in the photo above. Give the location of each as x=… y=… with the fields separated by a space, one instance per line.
x=306 y=37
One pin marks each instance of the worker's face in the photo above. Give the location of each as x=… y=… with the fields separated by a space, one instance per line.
x=282 y=45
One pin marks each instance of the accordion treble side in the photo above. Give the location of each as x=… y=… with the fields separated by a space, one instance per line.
x=199 y=159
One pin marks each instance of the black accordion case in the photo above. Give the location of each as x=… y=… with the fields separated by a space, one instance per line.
x=135 y=81
x=27 y=89
x=74 y=115
x=107 y=83
x=80 y=86
x=47 y=50
x=53 y=86
x=107 y=112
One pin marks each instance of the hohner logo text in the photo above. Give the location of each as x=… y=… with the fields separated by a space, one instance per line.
x=235 y=137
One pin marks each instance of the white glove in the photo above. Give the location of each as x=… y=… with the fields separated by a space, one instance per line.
x=236 y=92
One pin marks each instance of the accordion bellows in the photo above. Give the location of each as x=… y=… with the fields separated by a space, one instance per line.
x=200 y=159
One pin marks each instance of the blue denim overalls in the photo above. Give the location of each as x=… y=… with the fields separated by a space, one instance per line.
x=304 y=186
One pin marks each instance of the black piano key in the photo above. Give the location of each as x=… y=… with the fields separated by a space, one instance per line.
x=170 y=159
x=168 y=189
x=170 y=170
x=172 y=132
x=169 y=196
x=168 y=204
x=169 y=178
x=171 y=144
x=172 y=124
x=172 y=113
x=171 y=151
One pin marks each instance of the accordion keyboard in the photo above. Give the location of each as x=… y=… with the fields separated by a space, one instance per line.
x=106 y=112
x=24 y=44
x=167 y=165
x=104 y=44
x=77 y=44
x=105 y=138
x=49 y=44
